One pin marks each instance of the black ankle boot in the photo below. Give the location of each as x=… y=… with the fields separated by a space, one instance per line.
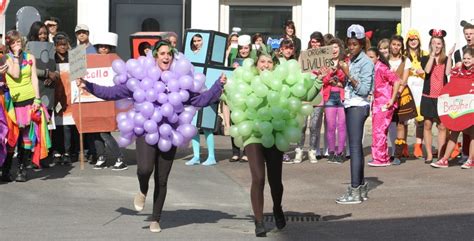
x=21 y=175
x=280 y=221
x=7 y=165
x=260 y=229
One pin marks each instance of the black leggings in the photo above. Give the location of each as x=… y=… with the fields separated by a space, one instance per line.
x=258 y=156
x=148 y=158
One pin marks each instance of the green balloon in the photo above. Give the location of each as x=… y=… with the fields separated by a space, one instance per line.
x=238 y=73
x=247 y=76
x=260 y=90
x=264 y=114
x=248 y=63
x=234 y=131
x=278 y=124
x=273 y=97
x=277 y=112
x=283 y=102
x=253 y=101
x=281 y=143
x=294 y=104
x=298 y=90
x=291 y=79
x=238 y=116
x=244 y=88
x=245 y=128
x=308 y=83
x=268 y=141
x=292 y=134
x=276 y=85
x=266 y=76
x=293 y=66
x=239 y=141
x=285 y=91
x=280 y=72
x=265 y=127
x=307 y=109
x=251 y=114
x=293 y=123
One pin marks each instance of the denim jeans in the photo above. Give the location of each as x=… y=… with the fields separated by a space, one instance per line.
x=355 y=119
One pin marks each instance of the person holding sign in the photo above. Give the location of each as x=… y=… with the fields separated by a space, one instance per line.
x=22 y=82
x=360 y=73
x=150 y=157
x=465 y=71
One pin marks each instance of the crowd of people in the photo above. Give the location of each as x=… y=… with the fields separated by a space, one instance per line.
x=394 y=83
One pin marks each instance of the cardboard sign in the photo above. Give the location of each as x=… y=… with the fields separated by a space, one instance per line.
x=314 y=59
x=456 y=103
x=96 y=116
x=77 y=62
x=63 y=97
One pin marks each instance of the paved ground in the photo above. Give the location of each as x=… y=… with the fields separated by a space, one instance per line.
x=408 y=202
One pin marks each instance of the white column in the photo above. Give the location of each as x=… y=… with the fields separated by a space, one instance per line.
x=205 y=14
x=94 y=14
x=314 y=17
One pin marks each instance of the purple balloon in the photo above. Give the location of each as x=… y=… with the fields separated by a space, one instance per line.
x=184 y=95
x=197 y=86
x=177 y=139
x=138 y=106
x=119 y=66
x=154 y=73
x=141 y=60
x=173 y=119
x=167 y=110
x=123 y=142
x=190 y=109
x=123 y=104
x=120 y=79
x=174 y=98
x=139 y=95
x=183 y=67
x=131 y=114
x=186 y=82
x=200 y=77
x=149 y=62
x=139 y=120
x=125 y=125
x=121 y=116
x=152 y=138
x=165 y=130
x=147 y=109
x=150 y=95
x=132 y=84
x=187 y=130
x=159 y=86
x=164 y=145
x=128 y=135
x=167 y=76
x=138 y=131
x=150 y=126
x=173 y=85
x=173 y=66
x=146 y=83
x=162 y=98
x=139 y=72
x=178 y=108
x=178 y=56
x=156 y=117
x=131 y=65
x=185 y=117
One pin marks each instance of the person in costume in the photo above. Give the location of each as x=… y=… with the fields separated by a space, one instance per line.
x=333 y=96
x=106 y=43
x=22 y=82
x=386 y=85
x=150 y=157
x=258 y=44
x=196 y=43
x=437 y=66
x=3 y=118
x=360 y=78
x=415 y=81
x=466 y=72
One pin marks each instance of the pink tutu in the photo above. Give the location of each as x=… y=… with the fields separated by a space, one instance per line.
x=23 y=115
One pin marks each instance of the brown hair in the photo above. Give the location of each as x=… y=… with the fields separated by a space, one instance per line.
x=417 y=50
x=442 y=55
x=341 y=47
x=11 y=37
x=383 y=43
x=289 y=24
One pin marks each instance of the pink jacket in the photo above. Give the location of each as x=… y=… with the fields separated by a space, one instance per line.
x=339 y=76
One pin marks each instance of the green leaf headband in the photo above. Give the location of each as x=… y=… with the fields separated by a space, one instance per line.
x=163 y=43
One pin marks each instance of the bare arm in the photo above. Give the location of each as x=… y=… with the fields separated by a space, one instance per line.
x=449 y=63
x=396 y=87
x=429 y=64
x=13 y=67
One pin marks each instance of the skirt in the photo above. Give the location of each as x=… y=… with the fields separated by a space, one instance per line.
x=429 y=107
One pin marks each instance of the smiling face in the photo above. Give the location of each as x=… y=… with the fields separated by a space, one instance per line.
x=413 y=43
x=52 y=27
x=173 y=41
x=43 y=34
x=436 y=46
x=197 y=43
x=244 y=51
x=336 y=51
x=289 y=31
x=82 y=36
x=467 y=60
x=315 y=44
x=164 y=57
x=259 y=41
x=264 y=62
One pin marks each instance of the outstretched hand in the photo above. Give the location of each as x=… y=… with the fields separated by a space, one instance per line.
x=80 y=83
x=223 y=79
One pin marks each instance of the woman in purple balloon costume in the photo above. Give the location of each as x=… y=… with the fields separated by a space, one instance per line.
x=159 y=119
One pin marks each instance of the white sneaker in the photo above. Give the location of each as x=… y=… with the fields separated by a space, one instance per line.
x=298 y=155
x=312 y=156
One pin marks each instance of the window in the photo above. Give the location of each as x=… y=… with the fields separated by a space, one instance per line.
x=381 y=20
x=267 y=20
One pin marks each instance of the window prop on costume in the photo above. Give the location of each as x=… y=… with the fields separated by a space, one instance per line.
x=267 y=108
x=157 y=108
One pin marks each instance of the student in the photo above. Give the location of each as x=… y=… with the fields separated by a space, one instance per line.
x=386 y=85
x=82 y=35
x=290 y=34
x=196 y=43
x=52 y=25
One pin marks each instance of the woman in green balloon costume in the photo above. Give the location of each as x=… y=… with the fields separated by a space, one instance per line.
x=267 y=111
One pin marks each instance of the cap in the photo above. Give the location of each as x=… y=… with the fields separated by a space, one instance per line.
x=244 y=40
x=106 y=38
x=80 y=27
x=356 y=31
x=236 y=30
x=413 y=34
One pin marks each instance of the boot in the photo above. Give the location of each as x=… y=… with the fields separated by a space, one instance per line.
x=21 y=175
x=260 y=230
x=405 y=153
x=417 y=150
x=23 y=156
x=364 y=191
x=398 y=152
x=312 y=156
x=7 y=165
x=280 y=221
x=298 y=155
x=352 y=196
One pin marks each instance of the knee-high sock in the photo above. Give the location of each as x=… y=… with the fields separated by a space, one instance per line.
x=210 y=144
x=195 y=144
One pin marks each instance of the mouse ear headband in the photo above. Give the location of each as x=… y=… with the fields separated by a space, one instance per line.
x=437 y=33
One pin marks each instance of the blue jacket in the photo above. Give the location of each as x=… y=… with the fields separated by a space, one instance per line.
x=362 y=70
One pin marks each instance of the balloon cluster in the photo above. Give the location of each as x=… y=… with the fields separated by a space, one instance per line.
x=268 y=106
x=157 y=108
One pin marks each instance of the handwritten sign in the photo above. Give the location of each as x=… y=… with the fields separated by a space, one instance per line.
x=456 y=103
x=77 y=62
x=103 y=76
x=314 y=59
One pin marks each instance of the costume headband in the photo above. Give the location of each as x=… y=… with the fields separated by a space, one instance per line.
x=163 y=43
x=437 y=33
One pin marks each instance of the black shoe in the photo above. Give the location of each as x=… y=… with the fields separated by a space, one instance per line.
x=331 y=158
x=319 y=157
x=339 y=159
x=21 y=175
x=101 y=163
x=280 y=221
x=66 y=159
x=260 y=229
x=92 y=159
x=6 y=177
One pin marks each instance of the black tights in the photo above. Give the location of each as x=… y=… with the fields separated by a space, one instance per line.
x=149 y=158
x=258 y=156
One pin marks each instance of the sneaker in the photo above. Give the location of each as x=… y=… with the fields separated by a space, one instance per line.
x=139 y=202
x=339 y=159
x=468 y=164
x=155 y=227
x=312 y=156
x=396 y=161
x=66 y=159
x=377 y=163
x=364 y=190
x=352 y=196
x=331 y=158
x=287 y=159
x=298 y=155
x=119 y=165
x=101 y=163
x=441 y=163
x=319 y=157
x=92 y=159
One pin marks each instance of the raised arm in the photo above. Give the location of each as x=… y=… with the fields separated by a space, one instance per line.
x=116 y=92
